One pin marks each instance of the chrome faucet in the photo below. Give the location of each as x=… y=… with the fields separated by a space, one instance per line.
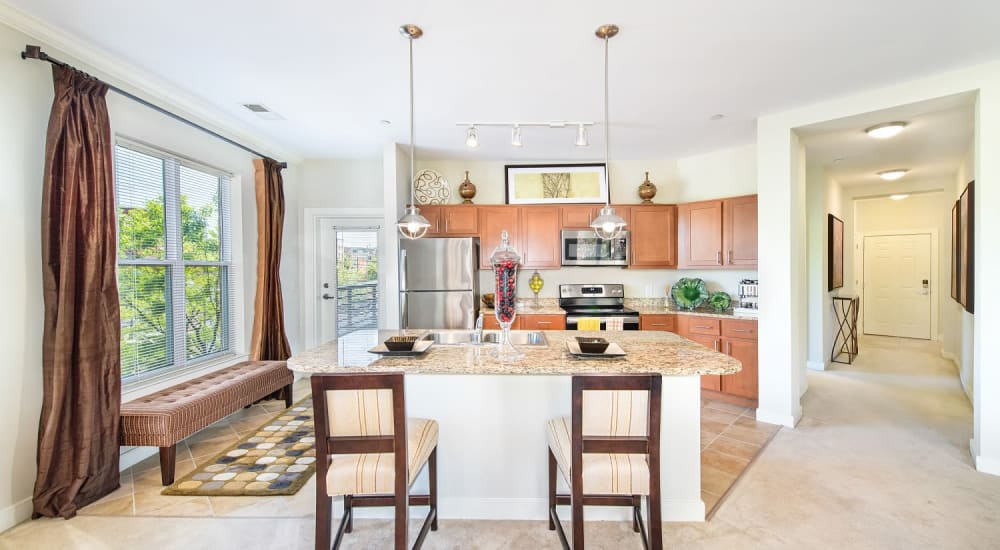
x=479 y=327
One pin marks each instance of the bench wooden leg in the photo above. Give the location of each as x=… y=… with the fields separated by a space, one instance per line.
x=168 y=458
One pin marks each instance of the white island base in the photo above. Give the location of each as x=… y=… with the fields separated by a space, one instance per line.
x=492 y=449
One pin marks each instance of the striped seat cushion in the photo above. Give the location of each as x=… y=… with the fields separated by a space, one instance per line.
x=603 y=473
x=374 y=473
x=163 y=418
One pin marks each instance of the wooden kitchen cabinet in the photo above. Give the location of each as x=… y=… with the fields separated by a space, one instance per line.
x=432 y=213
x=654 y=236
x=699 y=234
x=577 y=217
x=658 y=321
x=739 y=226
x=451 y=220
x=532 y=321
x=540 y=240
x=493 y=220
x=460 y=220
x=490 y=322
x=705 y=331
x=719 y=234
x=743 y=383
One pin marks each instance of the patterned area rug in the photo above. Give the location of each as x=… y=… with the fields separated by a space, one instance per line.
x=277 y=459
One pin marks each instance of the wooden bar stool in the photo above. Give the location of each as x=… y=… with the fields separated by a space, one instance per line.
x=369 y=452
x=609 y=452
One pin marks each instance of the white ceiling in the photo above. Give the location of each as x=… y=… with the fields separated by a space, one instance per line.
x=938 y=134
x=334 y=69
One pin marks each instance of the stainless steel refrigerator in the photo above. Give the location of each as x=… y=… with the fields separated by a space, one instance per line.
x=439 y=283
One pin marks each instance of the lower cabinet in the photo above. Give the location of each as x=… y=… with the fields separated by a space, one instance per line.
x=528 y=321
x=543 y=322
x=734 y=337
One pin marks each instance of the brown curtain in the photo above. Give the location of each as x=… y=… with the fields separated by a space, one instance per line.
x=268 y=341
x=81 y=367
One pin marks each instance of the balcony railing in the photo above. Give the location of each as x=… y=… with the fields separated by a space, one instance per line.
x=357 y=307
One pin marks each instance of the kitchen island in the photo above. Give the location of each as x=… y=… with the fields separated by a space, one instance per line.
x=492 y=415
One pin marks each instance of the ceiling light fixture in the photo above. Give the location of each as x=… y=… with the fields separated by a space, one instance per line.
x=607 y=224
x=581 y=136
x=899 y=197
x=892 y=175
x=885 y=130
x=471 y=138
x=515 y=136
x=412 y=225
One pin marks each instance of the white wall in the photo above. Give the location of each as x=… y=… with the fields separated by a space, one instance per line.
x=25 y=101
x=340 y=183
x=783 y=262
x=823 y=196
x=958 y=325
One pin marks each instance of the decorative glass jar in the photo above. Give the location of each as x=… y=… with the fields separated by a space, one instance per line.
x=505 y=261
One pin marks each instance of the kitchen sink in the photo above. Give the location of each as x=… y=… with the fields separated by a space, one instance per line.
x=470 y=338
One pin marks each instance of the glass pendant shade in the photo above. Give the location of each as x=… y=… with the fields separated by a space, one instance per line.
x=608 y=224
x=412 y=225
x=471 y=138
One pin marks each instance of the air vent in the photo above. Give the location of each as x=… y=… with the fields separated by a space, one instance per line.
x=262 y=111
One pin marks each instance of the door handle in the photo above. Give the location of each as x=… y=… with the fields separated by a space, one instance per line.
x=329 y=296
x=719 y=257
x=730 y=257
x=729 y=348
x=716 y=345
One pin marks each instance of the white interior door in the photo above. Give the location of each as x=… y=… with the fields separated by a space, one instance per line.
x=349 y=293
x=897 y=291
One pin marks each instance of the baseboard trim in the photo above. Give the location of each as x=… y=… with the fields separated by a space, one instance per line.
x=780 y=419
x=533 y=509
x=988 y=465
x=15 y=513
x=816 y=365
x=130 y=456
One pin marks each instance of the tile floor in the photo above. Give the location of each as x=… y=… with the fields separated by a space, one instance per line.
x=730 y=438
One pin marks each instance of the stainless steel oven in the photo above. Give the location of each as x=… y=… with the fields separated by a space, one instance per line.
x=584 y=247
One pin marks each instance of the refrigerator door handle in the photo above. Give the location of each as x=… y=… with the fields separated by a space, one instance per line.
x=403 y=311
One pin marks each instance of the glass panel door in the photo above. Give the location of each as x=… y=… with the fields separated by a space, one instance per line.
x=356 y=279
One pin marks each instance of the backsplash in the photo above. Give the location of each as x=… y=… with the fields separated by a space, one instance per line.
x=639 y=283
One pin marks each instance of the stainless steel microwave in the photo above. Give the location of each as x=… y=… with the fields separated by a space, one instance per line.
x=584 y=247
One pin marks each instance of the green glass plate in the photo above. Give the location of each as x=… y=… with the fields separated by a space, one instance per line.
x=720 y=301
x=689 y=293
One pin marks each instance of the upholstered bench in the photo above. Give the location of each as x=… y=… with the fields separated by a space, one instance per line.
x=164 y=418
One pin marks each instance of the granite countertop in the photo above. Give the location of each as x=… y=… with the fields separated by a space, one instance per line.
x=659 y=306
x=647 y=352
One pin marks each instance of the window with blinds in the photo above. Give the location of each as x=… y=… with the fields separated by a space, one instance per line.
x=174 y=260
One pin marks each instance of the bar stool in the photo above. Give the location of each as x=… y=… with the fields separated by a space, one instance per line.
x=369 y=452
x=608 y=452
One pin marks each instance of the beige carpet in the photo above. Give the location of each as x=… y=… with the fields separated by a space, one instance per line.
x=879 y=461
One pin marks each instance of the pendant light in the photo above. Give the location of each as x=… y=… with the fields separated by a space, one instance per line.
x=608 y=224
x=412 y=225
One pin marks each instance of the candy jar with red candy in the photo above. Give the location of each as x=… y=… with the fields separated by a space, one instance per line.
x=505 y=260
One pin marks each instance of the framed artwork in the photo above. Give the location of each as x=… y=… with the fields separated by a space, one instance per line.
x=835 y=252
x=967 y=248
x=556 y=183
x=956 y=272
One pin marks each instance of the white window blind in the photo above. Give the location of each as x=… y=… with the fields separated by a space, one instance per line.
x=174 y=260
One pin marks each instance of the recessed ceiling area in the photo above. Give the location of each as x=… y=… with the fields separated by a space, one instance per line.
x=334 y=70
x=937 y=135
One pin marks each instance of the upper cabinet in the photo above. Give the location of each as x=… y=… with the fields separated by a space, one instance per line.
x=719 y=234
x=577 y=216
x=492 y=221
x=654 y=236
x=540 y=239
x=740 y=231
x=451 y=220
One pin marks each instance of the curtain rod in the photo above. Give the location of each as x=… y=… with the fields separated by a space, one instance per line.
x=35 y=52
